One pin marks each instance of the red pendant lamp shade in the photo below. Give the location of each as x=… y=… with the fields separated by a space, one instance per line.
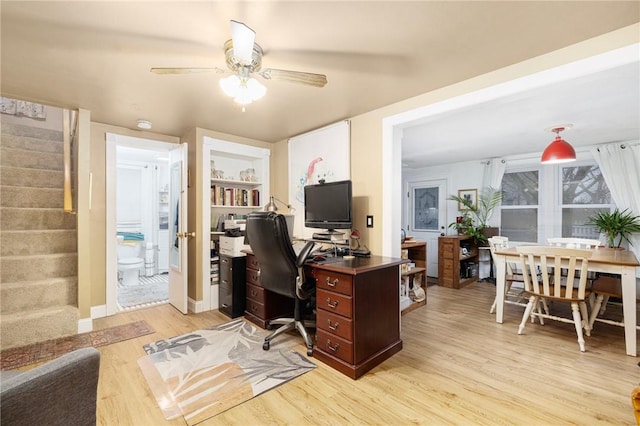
x=558 y=151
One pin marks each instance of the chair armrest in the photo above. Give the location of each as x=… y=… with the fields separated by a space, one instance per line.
x=60 y=392
x=304 y=253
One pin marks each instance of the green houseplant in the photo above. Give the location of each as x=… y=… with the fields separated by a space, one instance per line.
x=475 y=217
x=616 y=225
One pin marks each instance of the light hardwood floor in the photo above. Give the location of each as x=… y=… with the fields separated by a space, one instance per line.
x=457 y=366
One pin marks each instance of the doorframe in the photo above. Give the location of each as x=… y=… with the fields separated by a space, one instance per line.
x=113 y=140
x=436 y=103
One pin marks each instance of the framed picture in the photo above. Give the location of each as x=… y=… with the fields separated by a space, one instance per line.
x=470 y=195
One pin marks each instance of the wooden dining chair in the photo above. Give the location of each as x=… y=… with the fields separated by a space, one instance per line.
x=498 y=243
x=603 y=288
x=542 y=272
x=570 y=242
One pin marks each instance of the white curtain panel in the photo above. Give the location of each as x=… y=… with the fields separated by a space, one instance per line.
x=493 y=173
x=620 y=166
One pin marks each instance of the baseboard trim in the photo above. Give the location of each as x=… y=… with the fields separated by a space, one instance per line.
x=99 y=311
x=85 y=325
x=194 y=306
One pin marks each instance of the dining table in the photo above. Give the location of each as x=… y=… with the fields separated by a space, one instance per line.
x=603 y=259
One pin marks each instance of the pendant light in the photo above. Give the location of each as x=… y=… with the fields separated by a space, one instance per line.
x=558 y=151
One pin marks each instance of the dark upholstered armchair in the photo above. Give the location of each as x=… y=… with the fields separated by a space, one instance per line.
x=281 y=271
x=60 y=392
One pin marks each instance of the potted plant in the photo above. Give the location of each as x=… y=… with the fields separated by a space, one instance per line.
x=476 y=216
x=617 y=225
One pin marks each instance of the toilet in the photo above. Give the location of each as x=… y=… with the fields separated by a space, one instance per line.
x=130 y=262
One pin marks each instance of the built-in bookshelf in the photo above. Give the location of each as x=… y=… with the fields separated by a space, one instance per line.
x=236 y=180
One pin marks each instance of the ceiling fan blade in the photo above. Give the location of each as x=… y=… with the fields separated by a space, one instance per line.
x=310 y=79
x=185 y=70
x=243 y=38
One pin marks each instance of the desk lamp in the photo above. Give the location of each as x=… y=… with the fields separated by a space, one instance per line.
x=272 y=207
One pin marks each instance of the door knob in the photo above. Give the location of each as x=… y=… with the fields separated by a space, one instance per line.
x=186 y=234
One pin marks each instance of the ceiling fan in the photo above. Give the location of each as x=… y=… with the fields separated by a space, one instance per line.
x=243 y=58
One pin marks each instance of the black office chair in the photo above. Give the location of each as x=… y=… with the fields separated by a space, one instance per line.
x=281 y=271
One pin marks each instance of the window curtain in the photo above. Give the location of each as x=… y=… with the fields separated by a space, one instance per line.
x=620 y=166
x=493 y=173
x=492 y=177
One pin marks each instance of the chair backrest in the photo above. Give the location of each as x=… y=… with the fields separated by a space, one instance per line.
x=543 y=266
x=269 y=240
x=498 y=243
x=569 y=242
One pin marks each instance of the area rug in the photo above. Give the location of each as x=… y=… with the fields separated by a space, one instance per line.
x=201 y=374
x=50 y=349
x=153 y=289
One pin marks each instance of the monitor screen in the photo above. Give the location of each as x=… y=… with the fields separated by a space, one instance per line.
x=328 y=205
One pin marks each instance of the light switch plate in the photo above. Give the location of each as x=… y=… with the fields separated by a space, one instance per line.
x=369 y=221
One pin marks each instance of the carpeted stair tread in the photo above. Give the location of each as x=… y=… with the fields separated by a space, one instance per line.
x=20 y=218
x=23 y=328
x=29 y=131
x=32 y=242
x=32 y=144
x=38 y=294
x=34 y=178
x=31 y=159
x=15 y=196
x=23 y=268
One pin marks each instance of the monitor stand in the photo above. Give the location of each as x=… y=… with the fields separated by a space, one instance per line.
x=330 y=235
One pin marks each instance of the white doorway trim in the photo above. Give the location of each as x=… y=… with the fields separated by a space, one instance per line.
x=111 y=259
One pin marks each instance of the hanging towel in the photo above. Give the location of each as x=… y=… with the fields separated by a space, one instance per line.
x=132 y=236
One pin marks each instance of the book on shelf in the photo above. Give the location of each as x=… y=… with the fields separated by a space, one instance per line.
x=221 y=196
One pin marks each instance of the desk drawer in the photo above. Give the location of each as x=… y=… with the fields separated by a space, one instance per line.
x=334 y=324
x=333 y=281
x=335 y=346
x=253 y=276
x=334 y=302
x=255 y=293
x=256 y=308
x=252 y=262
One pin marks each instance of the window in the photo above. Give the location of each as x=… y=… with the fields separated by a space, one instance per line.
x=552 y=201
x=584 y=193
x=425 y=208
x=519 y=215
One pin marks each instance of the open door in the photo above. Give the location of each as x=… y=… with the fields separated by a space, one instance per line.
x=178 y=234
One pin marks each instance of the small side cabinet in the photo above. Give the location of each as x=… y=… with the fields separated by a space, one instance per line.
x=232 y=288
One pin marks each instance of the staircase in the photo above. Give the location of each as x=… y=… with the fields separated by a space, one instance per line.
x=38 y=246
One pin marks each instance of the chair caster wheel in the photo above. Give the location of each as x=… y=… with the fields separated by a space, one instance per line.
x=265 y=346
x=309 y=352
x=269 y=327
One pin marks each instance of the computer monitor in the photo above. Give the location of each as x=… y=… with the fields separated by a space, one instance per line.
x=328 y=206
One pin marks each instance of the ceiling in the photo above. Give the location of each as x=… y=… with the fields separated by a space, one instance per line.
x=97 y=56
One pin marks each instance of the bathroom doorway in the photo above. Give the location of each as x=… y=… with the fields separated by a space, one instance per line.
x=140 y=182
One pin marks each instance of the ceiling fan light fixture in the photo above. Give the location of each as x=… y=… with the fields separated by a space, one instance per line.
x=242 y=90
x=559 y=150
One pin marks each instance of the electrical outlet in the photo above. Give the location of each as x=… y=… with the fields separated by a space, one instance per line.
x=369 y=221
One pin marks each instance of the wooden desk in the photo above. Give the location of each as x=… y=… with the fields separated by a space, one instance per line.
x=358 y=312
x=613 y=261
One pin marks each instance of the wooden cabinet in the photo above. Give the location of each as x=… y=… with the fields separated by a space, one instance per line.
x=358 y=318
x=416 y=252
x=263 y=305
x=457 y=261
x=232 y=288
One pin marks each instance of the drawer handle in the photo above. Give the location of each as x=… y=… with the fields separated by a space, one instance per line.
x=332 y=284
x=333 y=348
x=254 y=293
x=254 y=308
x=333 y=327
x=332 y=305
